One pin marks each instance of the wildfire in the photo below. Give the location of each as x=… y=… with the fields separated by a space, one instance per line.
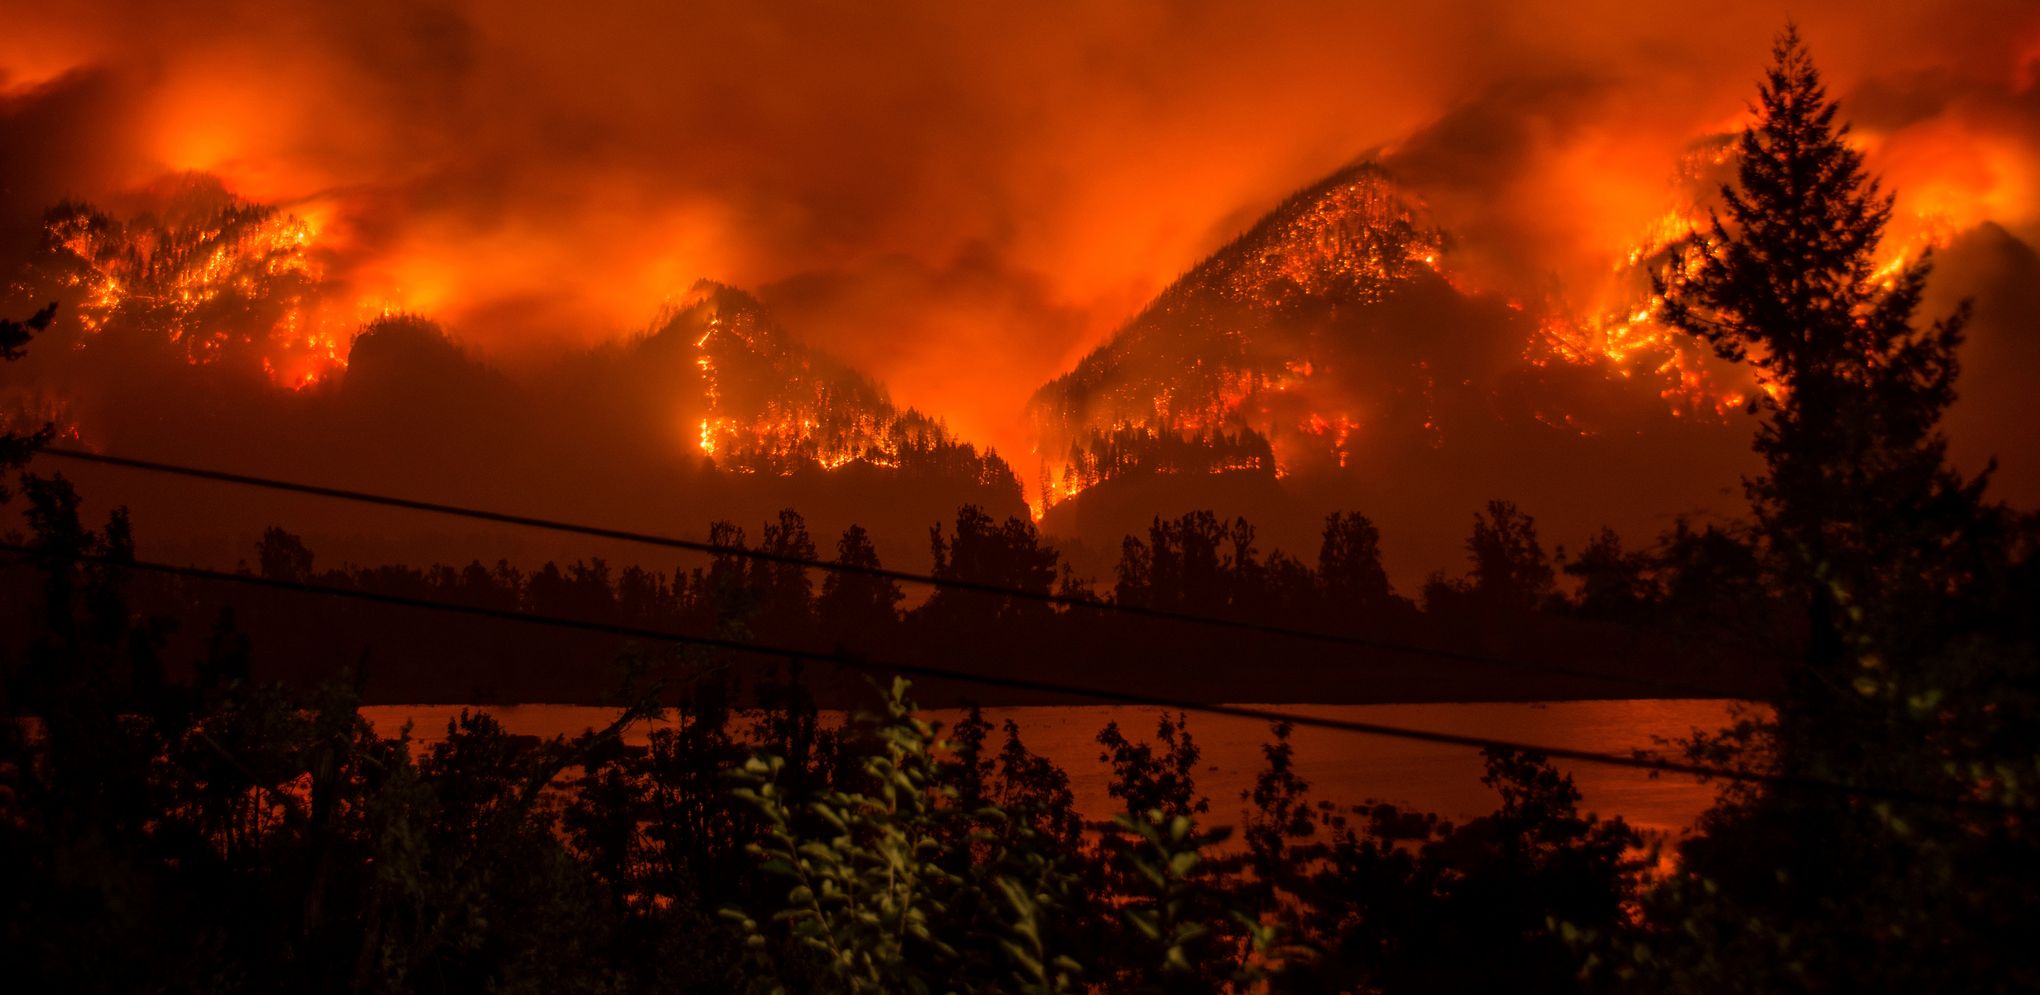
x=1635 y=345
x=212 y=277
x=1339 y=430
x=24 y=412
x=1356 y=240
x=772 y=406
x=1928 y=232
x=1208 y=379
x=1629 y=340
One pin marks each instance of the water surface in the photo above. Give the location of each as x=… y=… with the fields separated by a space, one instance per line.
x=1342 y=767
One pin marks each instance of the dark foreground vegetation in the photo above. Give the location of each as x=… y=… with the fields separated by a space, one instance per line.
x=172 y=819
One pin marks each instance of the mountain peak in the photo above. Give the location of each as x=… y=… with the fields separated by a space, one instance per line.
x=1217 y=363
x=769 y=403
x=1348 y=237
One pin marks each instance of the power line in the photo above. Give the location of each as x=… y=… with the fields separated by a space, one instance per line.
x=882 y=573
x=877 y=666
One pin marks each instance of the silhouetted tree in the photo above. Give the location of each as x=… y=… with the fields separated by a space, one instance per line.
x=1287 y=592
x=1009 y=556
x=1181 y=566
x=1145 y=779
x=1399 y=902
x=1510 y=569
x=1856 y=497
x=1279 y=818
x=1349 y=567
x=15 y=448
x=718 y=593
x=1897 y=566
x=1614 y=584
x=1072 y=587
x=283 y=556
x=1712 y=582
x=1036 y=790
x=1195 y=564
x=643 y=596
x=785 y=595
x=1150 y=855
x=1870 y=528
x=15 y=335
x=858 y=604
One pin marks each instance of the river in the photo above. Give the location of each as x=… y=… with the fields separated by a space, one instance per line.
x=1344 y=767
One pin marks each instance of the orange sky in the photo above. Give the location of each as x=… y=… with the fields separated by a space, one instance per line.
x=958 y=199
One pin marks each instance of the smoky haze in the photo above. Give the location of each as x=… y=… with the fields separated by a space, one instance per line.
x=961 y=202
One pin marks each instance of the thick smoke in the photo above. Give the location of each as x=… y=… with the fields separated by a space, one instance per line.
x=961 y=200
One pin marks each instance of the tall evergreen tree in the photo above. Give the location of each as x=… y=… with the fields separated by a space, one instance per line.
x=1510 y=569
x=858 y=604
x=1870 y=529
x=1908 y=684
x=16 y=448
x=1349 y=566
x=1857 y=499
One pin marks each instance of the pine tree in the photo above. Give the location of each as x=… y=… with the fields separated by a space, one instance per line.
x=1349 y=566
x=16 y=448
x=1510 y=569
x=1909 y=682
x=1857 y=501
x=858 y=604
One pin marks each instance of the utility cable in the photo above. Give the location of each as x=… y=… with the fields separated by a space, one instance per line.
x=882 y=573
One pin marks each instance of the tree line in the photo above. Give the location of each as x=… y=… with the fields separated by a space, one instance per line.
x=1695 y=609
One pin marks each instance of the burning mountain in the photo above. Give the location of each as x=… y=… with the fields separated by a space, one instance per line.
x=1333 y=348
x=214 y=281
x=1206 y=375
x=1333 y=356
x=1332 y=333
x=771 y=405
x=1619 y=332
x=195 y=271
x=202 y=329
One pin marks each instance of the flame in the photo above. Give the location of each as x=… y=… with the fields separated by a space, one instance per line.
x=1221 y=403
x=1340 y=429
x=1351 y=244
x=1627 y=338
x=211 y=281
x=774 y=407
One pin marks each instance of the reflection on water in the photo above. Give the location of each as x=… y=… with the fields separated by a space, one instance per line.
x=1342 y=767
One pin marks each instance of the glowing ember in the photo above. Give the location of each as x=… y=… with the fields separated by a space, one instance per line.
x=772 y=406
x=1625 y=337
x=1208 y=379
x=214 y=278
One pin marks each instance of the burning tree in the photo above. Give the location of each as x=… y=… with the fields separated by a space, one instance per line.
x=206 y=276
